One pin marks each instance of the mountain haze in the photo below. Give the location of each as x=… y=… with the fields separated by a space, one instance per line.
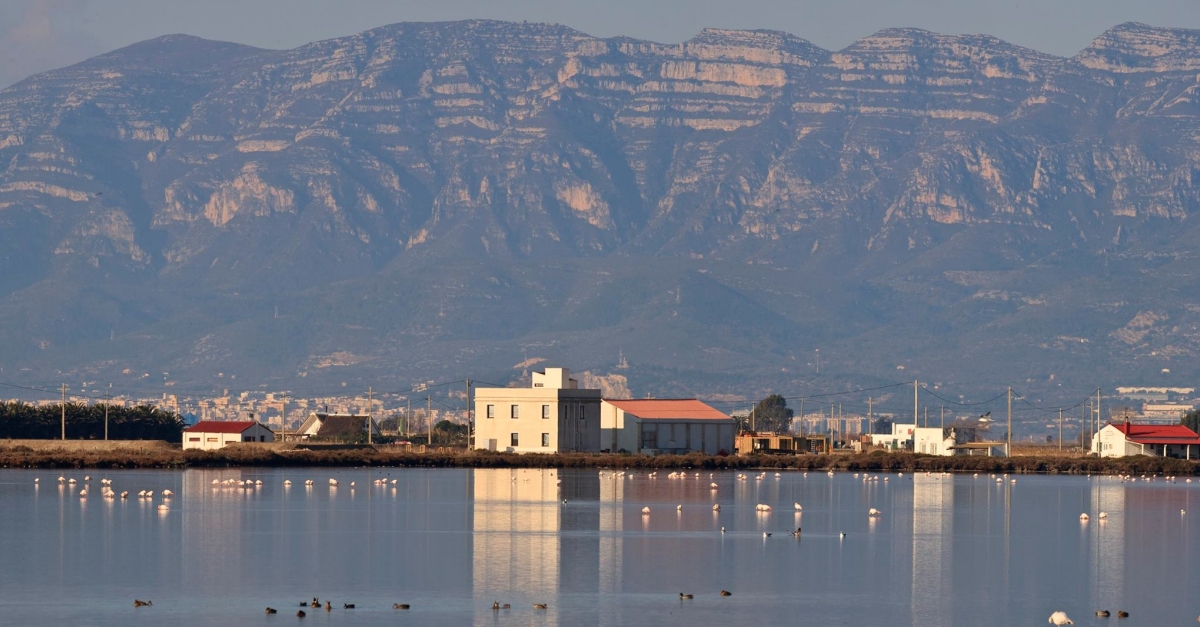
x=423 y=201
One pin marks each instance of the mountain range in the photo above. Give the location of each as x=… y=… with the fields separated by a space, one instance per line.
x=740 y=213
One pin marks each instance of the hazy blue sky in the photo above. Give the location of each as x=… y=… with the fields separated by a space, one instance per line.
x=37 y=35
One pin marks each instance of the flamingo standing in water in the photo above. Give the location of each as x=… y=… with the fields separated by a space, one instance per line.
x=1060 y=618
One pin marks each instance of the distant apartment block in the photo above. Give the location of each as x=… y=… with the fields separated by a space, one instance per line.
x=551 y=416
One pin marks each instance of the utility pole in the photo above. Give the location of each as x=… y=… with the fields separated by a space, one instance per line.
x=1086 y=429
x=943 y=416
x=871 y=414
x=470 y=424
x=429 y=420
x=1097 y=410
x=801 y=418
x=64 y=411
x=107 y=396
x=1060 y=428
x=1008 y=445
x=926 y=415
x=916 y=416
x=370 y=410
x=283 y=420
x=408 y=417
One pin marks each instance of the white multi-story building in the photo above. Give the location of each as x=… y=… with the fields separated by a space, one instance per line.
x=551 y=416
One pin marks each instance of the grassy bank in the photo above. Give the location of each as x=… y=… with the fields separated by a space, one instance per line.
x=15 y=455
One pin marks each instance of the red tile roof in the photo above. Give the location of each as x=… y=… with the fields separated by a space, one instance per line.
x=1158 y=434
x=220 y=426
x=668 y=409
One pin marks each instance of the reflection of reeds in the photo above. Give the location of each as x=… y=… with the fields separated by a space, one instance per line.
x=162 y=455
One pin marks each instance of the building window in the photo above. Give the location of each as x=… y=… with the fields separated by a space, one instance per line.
x=248 y=438
x=514 y=440
x=491 y=411
x=649 y=439
x=516 y=412
x=545 y=412
x=545 y=439
x=194 y=438
x=212 y=439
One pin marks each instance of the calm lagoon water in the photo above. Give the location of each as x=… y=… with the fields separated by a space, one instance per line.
x=947 y=550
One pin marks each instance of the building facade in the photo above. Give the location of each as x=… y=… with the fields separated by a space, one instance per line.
x=943 y=441
x=551 y=416
x=1123 y=439
x=654 y=426
x=211 y=434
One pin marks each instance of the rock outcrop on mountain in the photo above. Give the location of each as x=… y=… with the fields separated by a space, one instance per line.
x=429 y=200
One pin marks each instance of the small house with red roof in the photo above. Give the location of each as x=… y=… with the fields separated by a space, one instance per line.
x=1122 y=439
x=213 y=434
x=665 y=425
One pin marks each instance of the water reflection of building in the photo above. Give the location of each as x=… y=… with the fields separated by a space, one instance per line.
x=933 y=528
x=1108 y=539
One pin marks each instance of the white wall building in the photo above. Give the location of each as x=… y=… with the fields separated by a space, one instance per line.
x=947 y=441
x=551 y=416
x=656 y=426
x=1120 y=440
x=211 y=434
x=900 y=438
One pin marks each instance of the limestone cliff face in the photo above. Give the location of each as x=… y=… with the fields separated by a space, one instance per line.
x=232 y=168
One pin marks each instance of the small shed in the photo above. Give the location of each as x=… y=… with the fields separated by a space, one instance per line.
x=1120 y=440
x=214 y=434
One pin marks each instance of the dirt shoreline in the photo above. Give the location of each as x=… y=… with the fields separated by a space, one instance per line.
x=14 y=454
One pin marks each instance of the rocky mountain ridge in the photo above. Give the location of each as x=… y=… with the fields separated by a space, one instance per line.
x=422 y=200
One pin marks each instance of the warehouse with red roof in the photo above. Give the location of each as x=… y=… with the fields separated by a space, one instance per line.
x=665 y=425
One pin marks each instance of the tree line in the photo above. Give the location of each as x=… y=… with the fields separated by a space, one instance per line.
x=86 y=422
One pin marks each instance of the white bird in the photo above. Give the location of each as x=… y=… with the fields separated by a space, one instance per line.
x=1060 y=618
x=762 y=507
x=394 y=481
x=797 y=506
x=722 y=530
x=646 y=510
x=149 y=494
x=1103 y=515
x=142 y=493
x=62 y=479
x=713 y=486
x=167 y=494
x=125 y=494
x=874 y=512
x=842 y=535
x=72 y=481
x=36 y=479
x=766 y=535
x=83 y=492
x=352 y=483
x=259 y=482
x=716 y=507
x=1084 y=518
x=287 y=482
x=778 y=475
x=215 y=482
x=163 y=507
x=87 y=477
x=679 y=508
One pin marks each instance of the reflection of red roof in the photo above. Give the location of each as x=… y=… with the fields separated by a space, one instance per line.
x=221 y=426
x=668 y=409
x=1158 y=434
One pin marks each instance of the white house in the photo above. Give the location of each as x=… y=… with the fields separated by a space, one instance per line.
x=900 y=438
x=949 y=441
x=553 y=415
x=1120 y=440
x=665 y=426
x=213 y=434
